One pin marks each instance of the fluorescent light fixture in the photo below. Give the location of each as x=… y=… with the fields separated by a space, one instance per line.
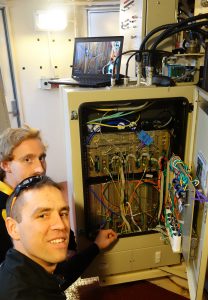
x=51 y=20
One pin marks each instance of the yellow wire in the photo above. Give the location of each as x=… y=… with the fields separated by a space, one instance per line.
x=104 y=125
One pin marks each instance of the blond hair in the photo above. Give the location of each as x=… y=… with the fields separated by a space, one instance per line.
x=13 y=137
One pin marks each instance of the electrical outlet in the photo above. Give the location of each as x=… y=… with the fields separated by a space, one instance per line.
x=44 y=85
x=157 y=257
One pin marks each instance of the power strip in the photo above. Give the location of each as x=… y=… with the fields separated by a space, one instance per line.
x=173 y=231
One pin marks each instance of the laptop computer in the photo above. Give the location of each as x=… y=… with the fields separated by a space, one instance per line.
x=93 y=61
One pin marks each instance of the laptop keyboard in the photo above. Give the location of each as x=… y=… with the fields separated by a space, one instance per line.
x=93 y=82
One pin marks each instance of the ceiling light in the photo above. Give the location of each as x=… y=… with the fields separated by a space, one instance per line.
x=51 y=20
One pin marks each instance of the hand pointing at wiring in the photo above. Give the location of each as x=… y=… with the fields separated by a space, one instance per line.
x=105 y=238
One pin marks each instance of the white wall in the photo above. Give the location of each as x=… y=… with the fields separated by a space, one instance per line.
x=35 y=55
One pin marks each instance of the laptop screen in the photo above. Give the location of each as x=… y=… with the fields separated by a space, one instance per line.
x=96 y=55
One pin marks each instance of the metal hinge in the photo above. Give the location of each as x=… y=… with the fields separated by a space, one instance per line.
x=194 y=245
x=205 y=215
x=14 y=108
x=190 y=108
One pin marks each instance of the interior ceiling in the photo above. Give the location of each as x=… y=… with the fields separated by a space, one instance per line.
x=71 y=1
x=92 y=1
x=87 y=1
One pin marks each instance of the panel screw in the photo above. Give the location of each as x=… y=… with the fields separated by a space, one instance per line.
x=74 y=115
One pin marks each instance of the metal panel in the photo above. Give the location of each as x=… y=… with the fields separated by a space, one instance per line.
x=73 y=99
x=160 y=13
x=196 y=268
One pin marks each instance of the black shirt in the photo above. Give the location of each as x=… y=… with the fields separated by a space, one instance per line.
x=5 y=241
x=72 y=269
x=23 y=279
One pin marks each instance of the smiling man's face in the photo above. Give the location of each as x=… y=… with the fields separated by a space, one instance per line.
x=43 y=232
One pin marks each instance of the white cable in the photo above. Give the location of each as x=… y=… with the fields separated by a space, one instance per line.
x=132 y=218
x=122 y=198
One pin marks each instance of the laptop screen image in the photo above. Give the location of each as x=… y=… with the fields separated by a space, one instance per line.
x=95 y=56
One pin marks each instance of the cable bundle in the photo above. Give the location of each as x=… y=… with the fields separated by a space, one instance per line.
x=193 y=24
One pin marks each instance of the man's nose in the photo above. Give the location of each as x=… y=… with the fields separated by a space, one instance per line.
x=39 y=167
x=57 y=222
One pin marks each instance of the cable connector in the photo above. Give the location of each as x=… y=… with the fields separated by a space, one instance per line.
x=126 y=81
x=139 y=73
x=113 y=81
x=149 y=75
x=44 y=84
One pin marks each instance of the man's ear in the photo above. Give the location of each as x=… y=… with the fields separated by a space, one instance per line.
x=12 y=228
x=5 y=165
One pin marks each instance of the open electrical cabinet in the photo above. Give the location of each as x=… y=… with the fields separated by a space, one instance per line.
x=126 y=148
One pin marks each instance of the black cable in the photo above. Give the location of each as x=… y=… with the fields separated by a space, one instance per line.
x=179 y=25
x=202 y=32
x=134 y=53
x=118 y=57
x=185 y=13
x=194 y=18
x=167 y=34
x=127 y=63
x=169 y=27
x=191 y=19
x=162 y=36
x=192 y=27
x=141 y=52
x=153 y=49
x=152 y=32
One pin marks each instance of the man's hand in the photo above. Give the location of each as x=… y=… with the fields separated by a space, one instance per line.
x=105 y=237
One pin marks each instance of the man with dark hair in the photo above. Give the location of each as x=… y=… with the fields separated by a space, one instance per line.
x=38 y=224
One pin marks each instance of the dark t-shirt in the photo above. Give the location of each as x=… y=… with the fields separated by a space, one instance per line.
x=5 y=241
x=23 y=279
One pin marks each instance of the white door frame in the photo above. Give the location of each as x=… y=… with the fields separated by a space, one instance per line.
x=7 y=70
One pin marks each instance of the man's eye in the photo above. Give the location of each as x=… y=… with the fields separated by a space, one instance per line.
x=28 y=160
x=64 y=214
x=42 y=216
x=42 y=157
